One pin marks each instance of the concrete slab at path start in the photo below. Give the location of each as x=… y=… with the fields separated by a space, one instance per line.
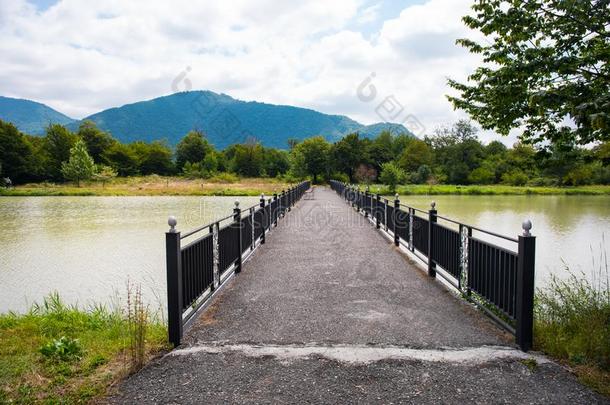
x=329 y=311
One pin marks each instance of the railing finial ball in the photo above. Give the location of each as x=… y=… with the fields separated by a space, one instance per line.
x=236 y=203
x=172 y=222
x=396 y=196
x=262 y=195
x=527 y=225
x=433 y=204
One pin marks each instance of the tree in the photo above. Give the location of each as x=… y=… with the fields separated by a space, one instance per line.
x=276 y=162
x=248 y=159
x=347 y=154
x=544 y=60
x=15 y=153
x=392 y=175
x=80 y=166
x=58 y=143
x=192 y=148
x=105 y=173
x=154 y=157
x=311 y=157
x=416 y=153
x=123 y=159
x=97 y=141
x=381 y=149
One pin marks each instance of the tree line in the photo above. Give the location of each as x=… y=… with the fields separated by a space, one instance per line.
x=452 y=155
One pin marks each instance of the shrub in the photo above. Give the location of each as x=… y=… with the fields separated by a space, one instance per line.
x=392 y=175
x=481 y=175
x=64 y=348
x=579 y=176
x=342 y=177
x=225 y=177
x=515 y=178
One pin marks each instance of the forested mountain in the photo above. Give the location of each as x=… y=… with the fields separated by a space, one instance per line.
x=29 y=116
x=226 y=121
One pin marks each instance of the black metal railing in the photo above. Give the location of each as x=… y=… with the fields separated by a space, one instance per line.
x=201 y=266
x=499 y=280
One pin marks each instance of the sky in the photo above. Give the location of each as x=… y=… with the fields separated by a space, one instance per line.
x=372 y=60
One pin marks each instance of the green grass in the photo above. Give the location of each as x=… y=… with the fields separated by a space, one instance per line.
x=572 y=324
x=448 y=189
x=93 y=352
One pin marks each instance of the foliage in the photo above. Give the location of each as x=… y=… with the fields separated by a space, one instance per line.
x=347 y=154
x=192 y=149
x=57 y=147
x=98 y=142
x=80 y=166
x=57 y=353
x=311 y=156
x=105 y=173
x=392 y=175
x=63 y=349
x=15 y=153
x=365 y=174
x=544 y=60
x=572 y=323
x=416 y=154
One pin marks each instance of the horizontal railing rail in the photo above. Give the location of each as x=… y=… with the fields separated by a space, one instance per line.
x=498 y=279
x=214 y=252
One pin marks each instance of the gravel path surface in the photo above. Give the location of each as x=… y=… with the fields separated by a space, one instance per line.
x=327 y=277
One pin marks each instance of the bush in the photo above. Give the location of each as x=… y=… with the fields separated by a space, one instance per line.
x=481 y=175
x=64 y=348
x=225 y=177
x=342 y=177
x=422 y=175
x=515 y=178
x=579 y=176
x=572 y=323
x=392 y=175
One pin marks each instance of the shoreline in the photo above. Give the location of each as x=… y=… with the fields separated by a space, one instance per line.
x=254 y=187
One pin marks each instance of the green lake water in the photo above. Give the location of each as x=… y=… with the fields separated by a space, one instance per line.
x=86 y=248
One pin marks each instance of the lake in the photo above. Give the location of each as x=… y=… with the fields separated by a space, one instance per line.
x=86 y=248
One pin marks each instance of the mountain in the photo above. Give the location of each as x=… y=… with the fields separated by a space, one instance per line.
x=226 y=121
x=29 y=116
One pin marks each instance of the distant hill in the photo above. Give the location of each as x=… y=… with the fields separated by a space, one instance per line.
x=226 y=121
x=223 y=119
x=29 y=116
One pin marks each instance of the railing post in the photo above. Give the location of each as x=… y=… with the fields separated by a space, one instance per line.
x=275 y=212
x=264 y=220
x=174 y=283
x=289 y=199
x=525 y=288
x=394 y=220
x=237 y=218
x=377 y=213
x=431 y=222
x=366 y=201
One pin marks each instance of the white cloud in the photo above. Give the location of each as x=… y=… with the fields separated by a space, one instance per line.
x=81 y=57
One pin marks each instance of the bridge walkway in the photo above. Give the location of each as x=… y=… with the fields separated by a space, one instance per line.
x=329 y=311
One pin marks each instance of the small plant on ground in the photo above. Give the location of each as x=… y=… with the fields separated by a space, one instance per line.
x=137 y=320
x=64 y=349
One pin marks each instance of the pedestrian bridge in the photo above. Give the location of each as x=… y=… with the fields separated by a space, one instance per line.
x=324 y=307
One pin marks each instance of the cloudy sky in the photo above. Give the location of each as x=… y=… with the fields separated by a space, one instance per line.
x=372 y=60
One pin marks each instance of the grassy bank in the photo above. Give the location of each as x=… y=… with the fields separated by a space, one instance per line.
x=447 y=189
x=154 y=185
x=61 y=354
x=572 y=324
